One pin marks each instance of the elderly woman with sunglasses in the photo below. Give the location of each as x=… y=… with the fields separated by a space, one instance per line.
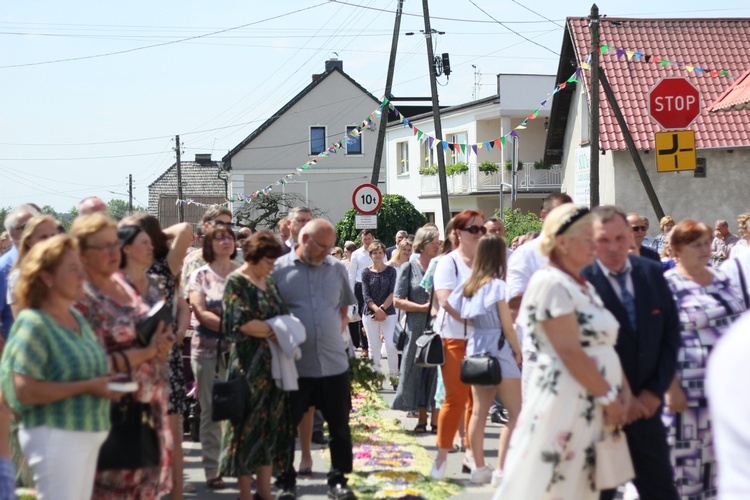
x=206 y=293
x=452 y=271
x=113 y=307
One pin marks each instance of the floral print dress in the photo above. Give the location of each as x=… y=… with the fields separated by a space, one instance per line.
x=266 y=435
x=551 y=454
x=705 y=315
x=114 y=325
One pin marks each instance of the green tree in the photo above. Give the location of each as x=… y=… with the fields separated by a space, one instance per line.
x=518 y=223
x=4 y=212
x=265 y=212
x=395 y=213
x=119 y=208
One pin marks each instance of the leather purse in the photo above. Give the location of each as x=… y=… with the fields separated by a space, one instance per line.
x=481 y=369
x=429 y=350
x=613 y=463
x=400 y=337
x=229 y=397
x=133 y=442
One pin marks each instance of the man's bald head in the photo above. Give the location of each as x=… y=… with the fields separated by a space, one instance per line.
x=316 y=239
x=91 y=205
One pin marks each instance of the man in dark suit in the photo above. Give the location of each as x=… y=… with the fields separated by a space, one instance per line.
x=635 y=291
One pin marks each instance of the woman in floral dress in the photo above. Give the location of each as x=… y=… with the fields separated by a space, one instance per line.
x=112 y=308
x=707 y=303
x=260 y=444
x=576 y=379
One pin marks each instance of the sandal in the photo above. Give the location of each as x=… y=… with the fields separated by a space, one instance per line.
x=216 y=483
x=433 y=429
x=420 y=429
x=305 y=472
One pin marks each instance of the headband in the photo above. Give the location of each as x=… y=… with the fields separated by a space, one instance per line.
x=126 y=234
x=572 y=219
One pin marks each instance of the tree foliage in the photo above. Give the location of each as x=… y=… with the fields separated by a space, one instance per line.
x=119 y=208
x=395 y=213
x=265 y=212
x=518 y=223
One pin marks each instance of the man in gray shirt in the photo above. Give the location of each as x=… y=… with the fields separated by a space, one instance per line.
x=315 y=288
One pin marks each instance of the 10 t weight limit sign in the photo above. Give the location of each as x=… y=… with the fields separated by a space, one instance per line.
x=367 y=199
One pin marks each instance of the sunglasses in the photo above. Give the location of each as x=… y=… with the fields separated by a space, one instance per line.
x=640 y=228
x=474 y=229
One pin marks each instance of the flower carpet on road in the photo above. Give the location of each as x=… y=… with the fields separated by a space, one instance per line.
x=388 y=462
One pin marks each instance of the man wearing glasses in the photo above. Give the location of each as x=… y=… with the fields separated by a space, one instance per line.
x=315 y=288
x=639 y=227
x=297 y=218
x=15 y=223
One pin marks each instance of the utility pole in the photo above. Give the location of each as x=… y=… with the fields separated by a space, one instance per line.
x=180 y=205
x=130 y=193
x=594 y=124
x=388 y=86
x=428 y=33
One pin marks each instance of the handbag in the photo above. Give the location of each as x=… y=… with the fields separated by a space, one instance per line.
x=133 y=442
x=354 y=316
x=400 y=337
x=481 y=368
x=613 y=463
x=229 y=397
x=430 y=351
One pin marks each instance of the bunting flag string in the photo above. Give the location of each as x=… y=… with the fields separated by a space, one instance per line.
x=623 y=54
x=498 y=142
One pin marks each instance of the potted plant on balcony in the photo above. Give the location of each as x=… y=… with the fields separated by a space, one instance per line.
x=509 y=165
x=539 y=165
x=428 y=170
x=488 y=167
x=456 y=169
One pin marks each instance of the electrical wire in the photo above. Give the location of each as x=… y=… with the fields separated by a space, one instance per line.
x=512 y=30
x=538 y=14
x=134 y=49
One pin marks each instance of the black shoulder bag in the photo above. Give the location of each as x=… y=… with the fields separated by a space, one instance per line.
x=481 y=368
x=229 y=397
x=430 y=351
x=132 y=442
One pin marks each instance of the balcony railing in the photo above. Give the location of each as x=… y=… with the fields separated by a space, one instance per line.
x=475 y=181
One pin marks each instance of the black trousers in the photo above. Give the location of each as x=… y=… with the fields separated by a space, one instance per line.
x=361 y=305
x=654 y=479
x=332 y=396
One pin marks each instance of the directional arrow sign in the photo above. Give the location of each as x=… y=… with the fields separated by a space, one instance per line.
x=675 y=150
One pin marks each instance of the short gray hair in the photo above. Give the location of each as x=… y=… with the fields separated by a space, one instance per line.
x=424 y=236
x=11 y=221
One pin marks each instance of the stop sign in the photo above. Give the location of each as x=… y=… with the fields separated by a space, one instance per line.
x=674 y=102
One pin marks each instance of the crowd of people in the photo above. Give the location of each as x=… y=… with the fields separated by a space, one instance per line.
x=596 y=331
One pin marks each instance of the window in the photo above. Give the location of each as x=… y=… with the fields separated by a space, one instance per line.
x=430 y=216
x=317 y=140
x=427 y=155
x=457 y=156
x=402 y=158
x=355 y=146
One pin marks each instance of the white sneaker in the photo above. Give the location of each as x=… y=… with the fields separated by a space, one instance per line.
x=497 y=478
x=481 y=475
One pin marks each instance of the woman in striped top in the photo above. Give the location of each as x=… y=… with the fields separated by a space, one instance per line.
x=54 y=373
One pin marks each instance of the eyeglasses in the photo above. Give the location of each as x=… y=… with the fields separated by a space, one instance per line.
x=20 y=227
x=223 y=237
x=222 y=223
x=475 y=229
x=640 y=228
x=110 y=247
x=322 y=247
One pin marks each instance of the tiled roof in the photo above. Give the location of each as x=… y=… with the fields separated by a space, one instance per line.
x=199 y=179
x=736 y=97
x=711 y=44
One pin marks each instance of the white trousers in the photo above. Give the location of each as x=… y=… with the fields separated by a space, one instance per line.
x=64 y=462
x=374 y=329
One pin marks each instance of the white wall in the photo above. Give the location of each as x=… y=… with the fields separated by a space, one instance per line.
x=334 y=103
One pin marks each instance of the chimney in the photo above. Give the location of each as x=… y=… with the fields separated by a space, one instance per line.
x=334 y=63
x=202 y=157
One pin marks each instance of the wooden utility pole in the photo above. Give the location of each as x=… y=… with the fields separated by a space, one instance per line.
x=388 y=86
x=631 y=146
x=594 y=124
x=130 y=193
x=180 y=205
x=428 y=33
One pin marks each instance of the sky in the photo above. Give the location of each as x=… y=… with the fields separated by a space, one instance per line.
x=92 y=91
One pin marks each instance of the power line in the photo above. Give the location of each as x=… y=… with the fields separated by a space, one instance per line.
x=512 y=30
x=161 y=44
x=537 y=13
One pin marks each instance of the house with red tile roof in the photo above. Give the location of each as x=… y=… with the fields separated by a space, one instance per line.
x=736 y=97
x=634 y=55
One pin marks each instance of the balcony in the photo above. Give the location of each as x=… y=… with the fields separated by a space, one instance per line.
x=529 y=179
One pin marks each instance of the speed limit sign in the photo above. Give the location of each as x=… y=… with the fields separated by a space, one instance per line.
x=367 y=199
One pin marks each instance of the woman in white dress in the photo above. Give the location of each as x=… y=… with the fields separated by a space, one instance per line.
x=575 y=384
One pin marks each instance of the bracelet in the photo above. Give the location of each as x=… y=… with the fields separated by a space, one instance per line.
x=607 y=398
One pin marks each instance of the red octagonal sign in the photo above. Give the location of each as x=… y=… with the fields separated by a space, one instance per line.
x=674 y=102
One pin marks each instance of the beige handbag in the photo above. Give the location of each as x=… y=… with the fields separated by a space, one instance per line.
x=613 y=463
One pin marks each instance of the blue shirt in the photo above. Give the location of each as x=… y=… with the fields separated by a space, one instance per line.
x=7 y=262
x=315 y=295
